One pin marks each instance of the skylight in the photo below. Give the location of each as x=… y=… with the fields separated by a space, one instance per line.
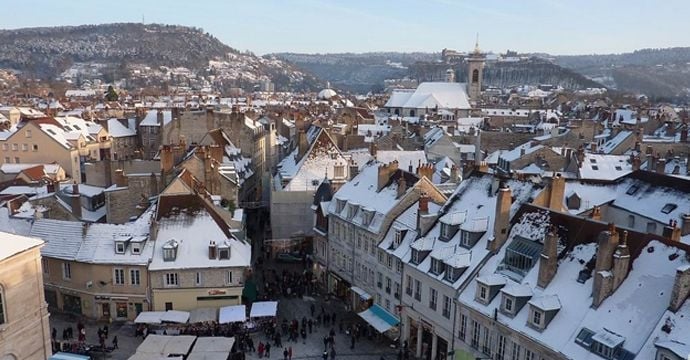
x=632 y=190
x=668 y=208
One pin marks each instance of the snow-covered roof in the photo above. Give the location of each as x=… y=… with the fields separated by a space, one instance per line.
x=604 y=167
x=151 y=118
x=441 y=95
x=117 y=129
x=614 y=142
x=12 y=244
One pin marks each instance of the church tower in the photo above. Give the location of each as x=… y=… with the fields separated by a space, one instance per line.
x=475 y=68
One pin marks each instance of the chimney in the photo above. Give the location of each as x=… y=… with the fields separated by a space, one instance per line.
x=661 y=165
x=621 y=262
x=672 y=231
x=402 y=186
x=160 y=119
x=426 y=170
x=557 y=192
x=651 y=163
x=76 y=201
x=166 y=159
x=216 y=152
x=212 y=250
x=685 y=224
x=354 y=169
x=424 y=220
x=410 y=168
x=424 y=204
x=303 y=143
x=384 y=173
x=478 y=149
x=454 y=174
x=638 y=146
x=120 y=178
x=596 y=213
x=602 y=285
x=153 y=185
x=502 y=217
x=549 y=258
x=636 y=162
x=681 y=288
x=580 y=156
x=593 y=147
x=649 y=150
x=50 y=187
x=522 y=151
x=372 y=149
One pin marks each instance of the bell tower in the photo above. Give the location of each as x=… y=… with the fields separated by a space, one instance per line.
x=475 y=68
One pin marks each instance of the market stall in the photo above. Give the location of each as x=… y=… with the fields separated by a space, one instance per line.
x=203 y=315
x=264 y=309
x=211 y=348
x=231 y=314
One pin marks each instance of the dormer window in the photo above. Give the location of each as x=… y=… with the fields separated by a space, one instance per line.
x=446 y=231
x=537 y=318
x=465 y=238
x=340 y=205
x=223 y=251
x=415 y=257
x=482 y=293
x=367 y=216
x=136 y=248
x=399 y=235
x=339 y=171
x=170 y=250
x=437 y=266
x=120 y=247
x=508 y=304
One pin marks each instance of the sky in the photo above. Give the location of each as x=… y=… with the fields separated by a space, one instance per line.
x=557 y=27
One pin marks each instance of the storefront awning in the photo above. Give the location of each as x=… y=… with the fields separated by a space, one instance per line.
x=362 y=294
x=379 y=318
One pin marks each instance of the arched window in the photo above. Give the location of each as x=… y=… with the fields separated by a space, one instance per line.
x=475 y=76
x=412 y=113
x=3 y=313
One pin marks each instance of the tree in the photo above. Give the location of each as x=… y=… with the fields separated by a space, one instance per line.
x=111 y=95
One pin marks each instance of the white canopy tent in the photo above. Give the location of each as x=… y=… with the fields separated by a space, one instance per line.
x=175 y=316
x=165 y=345
x=203 y=315
x=264 y=308
x=149 y=317
x=234 y=313
x=211 y=348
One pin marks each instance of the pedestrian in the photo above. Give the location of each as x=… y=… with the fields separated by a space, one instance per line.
x=53 y=334
x=304 y=336
x=64 y=334
x=82 y=335
x=285 y=354
x=326 y=317
x=261 y=349
x=105 y=331
x=250 y=342
x=311 y=309
x=332 y=333
x=352 y=341
x=290 y=353
x=268 y=350
x=309 y=324
x=325 y=355
x=325 y=343
x=99 y=332
x=115 y=342
x=333 y=353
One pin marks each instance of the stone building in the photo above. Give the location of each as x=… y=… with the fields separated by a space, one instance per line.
x=24 y=327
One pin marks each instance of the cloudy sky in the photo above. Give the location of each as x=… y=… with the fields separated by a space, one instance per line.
x=320 y=26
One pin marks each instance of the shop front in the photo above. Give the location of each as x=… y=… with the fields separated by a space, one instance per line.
x=194 y=298
x=71 y=304
x=360 y=299
x=338 y=287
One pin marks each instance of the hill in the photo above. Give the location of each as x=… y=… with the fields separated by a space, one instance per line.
x=49 y=52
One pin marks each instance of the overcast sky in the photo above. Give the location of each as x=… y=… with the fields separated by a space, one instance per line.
x=320 y=26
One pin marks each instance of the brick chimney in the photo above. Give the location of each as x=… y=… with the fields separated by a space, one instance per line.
x=502 y=217
x=426 y=170
x=384 y=174
x=425 y=220
x=50 y=187
x=661 y=166
x=681 y=288
x=557 y=192
x=672 y=231
x=602 y=286
x=166 y=159
x=596 y=213
x=580 y=155
x=373 y=149
x=302 y=143
x=120 y=178
x=621 y=261
x=549 y=258
x=75 y=202
x=402 y=186
x=424 y=204
x=651 y=163
x=593 y=147
x=212 y=250
x=636 y=162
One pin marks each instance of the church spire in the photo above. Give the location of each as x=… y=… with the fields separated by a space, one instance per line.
x=476 y=45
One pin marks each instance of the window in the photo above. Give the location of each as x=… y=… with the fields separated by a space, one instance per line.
x=651 y=227
x=408 y=287
x=463 y=327
x=168 y=306
x=228 y=278
x=5 y=147
x=446 y=231
x=398 y=238
x=380 y=256
x=379 y=281
x=508 y=304
x=415 y=257
x=15 y=147
x=359 y=241
x=119 y=247
x=66 y=271
x=224 y=254
x=483 y=292
x=388 y=304
x=536 y=318
x=417 y=290
x=390 y=261
x=119 y=278
x=465 y=238
x=388 y=285
x=521 y=255
x=475 y=76
x=25 y=147
x=171 y=279
x=631 y=221
x=197 y=279
x=529 y=355
x=446 y=306
x=7 y=159
x=632 y=190
x=668 y=208
x=501 y=349
x=476 y=329
x=398 y=266
x=134 y=277
x=378 y=299
x=433 y=298
x=515 y=354
x=44 y=265
x=16 y=160
x=486 y=346
x=603 y=350
x=35 y=147
x=436 y=266
x=366 y=245
x=397 y=290
x=136 y=248
x=2 y=307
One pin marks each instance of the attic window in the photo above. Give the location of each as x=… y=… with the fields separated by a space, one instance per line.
x=668 y=208
x=618 y=168
x=521 y=255
x=594 y=167
x=398 y=238
x=436 y=266
x=632 y=190
x=593 y=161
x=50 y=131
x=223 y=254
x=315 y=182
x=120 y=247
